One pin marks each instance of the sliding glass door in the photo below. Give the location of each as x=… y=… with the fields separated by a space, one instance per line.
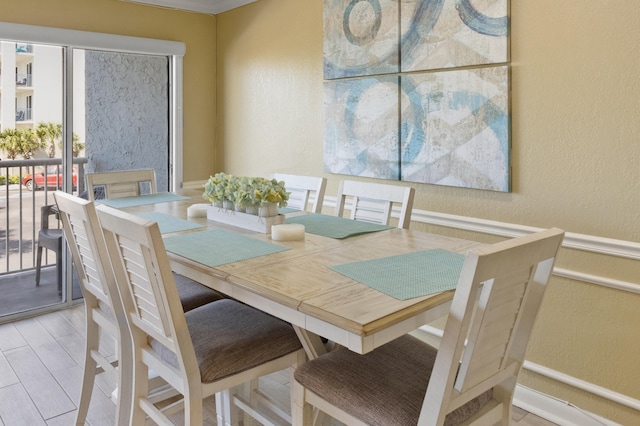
x=108 y=104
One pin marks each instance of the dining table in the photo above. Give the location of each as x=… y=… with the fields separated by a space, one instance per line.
x=320 y=284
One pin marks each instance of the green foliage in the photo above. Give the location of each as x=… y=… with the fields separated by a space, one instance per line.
x=76 y=147
x=12 y=180
x=245 y=191
x=49 y=134
x=26 y=142
x=16 y=142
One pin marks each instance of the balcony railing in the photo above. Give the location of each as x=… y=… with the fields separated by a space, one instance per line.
x=20 y=207
x=24 y=80
x=23 y=114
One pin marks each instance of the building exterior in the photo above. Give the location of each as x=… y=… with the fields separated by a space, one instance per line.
x=31 y=89
x=30 y=85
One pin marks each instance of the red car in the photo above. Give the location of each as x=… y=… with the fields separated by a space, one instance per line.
x=54 y=178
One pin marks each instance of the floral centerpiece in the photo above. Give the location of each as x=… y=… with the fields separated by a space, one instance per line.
x=214 y=189
x=255 y=195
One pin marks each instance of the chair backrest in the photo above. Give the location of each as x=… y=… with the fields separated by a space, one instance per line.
x=492 y=314
x=45 y=212
x=89 y=253
x=149 y=294
x=301 y=187
x=125 y=183
x=373 y=202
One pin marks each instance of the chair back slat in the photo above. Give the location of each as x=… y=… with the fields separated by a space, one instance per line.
x=373 y=202
x=86 y=243
x=117 y=184
x=301 y=187
x=492 y=314
x=374 y=211
x=144 y=275
x=499 y=311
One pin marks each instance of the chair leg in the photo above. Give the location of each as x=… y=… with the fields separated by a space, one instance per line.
x=301 y=412
x=227 y=413
x=38 y=264
x=89 y=374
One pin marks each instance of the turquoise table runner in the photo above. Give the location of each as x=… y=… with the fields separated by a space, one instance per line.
x=334 y=226
x=140 y=200
x=409 y=275
x=218 y=247
x=168 y=223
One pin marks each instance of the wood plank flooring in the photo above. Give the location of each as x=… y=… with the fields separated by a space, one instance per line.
x=41 y=369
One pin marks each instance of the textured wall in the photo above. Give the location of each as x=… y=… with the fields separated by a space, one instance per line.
x=127 y=113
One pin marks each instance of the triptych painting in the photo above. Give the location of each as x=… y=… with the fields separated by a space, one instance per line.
x=418 y=91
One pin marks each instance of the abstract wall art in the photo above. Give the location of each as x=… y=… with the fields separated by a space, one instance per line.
x=360 y=38
x=418 y=91
x=361 y=127
x=454 y=128
x=444 y=33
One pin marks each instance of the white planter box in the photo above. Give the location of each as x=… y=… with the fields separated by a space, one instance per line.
x=243 y=220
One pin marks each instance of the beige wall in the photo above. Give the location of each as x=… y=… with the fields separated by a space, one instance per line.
x=197 y=31
x=575 y=157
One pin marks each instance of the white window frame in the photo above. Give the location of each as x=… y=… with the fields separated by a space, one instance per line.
x=115 y=43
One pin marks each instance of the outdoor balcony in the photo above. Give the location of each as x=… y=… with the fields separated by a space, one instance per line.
x=19 y=227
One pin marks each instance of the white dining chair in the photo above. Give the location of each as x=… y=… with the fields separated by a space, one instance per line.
x=104 y=310
x=301 y=187
x=373 y=202
x=128 y=183
x=213 y=349
x=121 y=183
x=471 y=378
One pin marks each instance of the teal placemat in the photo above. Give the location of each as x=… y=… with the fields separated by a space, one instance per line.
x=218 y=247
x=168 y=223
x=334 y=226
x=140 y=200
x=408 y=275
x=285 y=210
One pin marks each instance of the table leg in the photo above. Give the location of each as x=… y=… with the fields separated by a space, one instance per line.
x=311 y=343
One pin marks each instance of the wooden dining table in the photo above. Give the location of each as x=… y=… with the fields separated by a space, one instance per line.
x=298 y=286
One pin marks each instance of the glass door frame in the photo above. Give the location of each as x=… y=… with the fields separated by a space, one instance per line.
x=74 y=39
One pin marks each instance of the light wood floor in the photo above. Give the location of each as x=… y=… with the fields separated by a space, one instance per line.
x=41 y=369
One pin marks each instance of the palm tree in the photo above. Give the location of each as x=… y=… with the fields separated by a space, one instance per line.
x=49 y=133
x=29 y=142
x=76 y=146
x=10 y=143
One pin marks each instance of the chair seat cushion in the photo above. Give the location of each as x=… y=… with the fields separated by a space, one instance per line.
x=230 y=337
x=193 y=294
x=384 y=387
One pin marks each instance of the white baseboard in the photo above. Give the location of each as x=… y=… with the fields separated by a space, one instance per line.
x=555 y=410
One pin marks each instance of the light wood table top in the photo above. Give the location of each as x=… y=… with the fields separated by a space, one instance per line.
x=297 y=285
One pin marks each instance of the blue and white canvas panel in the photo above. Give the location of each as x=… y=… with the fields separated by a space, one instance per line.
x=453 y=33
x=360 y=38
x=455 y=128
x=361 y=118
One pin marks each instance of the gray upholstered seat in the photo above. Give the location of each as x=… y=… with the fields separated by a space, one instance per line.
x=230 y=337
x=380 y=388
x=193 y=294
